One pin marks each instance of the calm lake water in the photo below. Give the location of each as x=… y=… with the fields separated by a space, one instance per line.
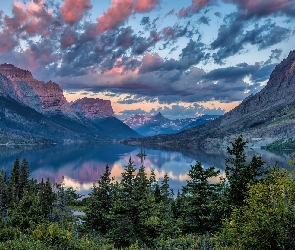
x=81 y=165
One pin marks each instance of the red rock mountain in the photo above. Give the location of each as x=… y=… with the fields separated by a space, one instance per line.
x=93 y=108
x=46 y=98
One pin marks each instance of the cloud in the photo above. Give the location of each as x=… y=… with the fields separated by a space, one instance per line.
x=196 y=6
x=265 y=8
x=7 y=43
x=192 y=54
x=145 y=5
x=74 y=10
x=233 y=38
x=275 y=56
x=175 y=111
x=172 y=86
x=204 y=20
x=68 y=38
x=118 y=13
x=29 y=19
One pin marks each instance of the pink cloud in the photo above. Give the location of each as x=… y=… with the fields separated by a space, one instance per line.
x=121 y=10
x=262 y=7
x=145 y=5
x=168 y=32
x=74 y=10
x=115 y=15
x=151 y=62
x=28 y=19
x=196 y=6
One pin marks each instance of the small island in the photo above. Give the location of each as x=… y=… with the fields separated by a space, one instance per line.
x=142 y=154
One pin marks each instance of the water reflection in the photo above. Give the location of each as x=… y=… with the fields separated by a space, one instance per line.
x=81 y=165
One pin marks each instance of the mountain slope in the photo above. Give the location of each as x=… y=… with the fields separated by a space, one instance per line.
x=264 y=117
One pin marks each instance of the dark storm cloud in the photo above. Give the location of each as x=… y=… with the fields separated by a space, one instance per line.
x=232 y=73
x=257 y=73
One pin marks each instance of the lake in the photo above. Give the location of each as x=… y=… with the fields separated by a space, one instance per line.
x=81 y=165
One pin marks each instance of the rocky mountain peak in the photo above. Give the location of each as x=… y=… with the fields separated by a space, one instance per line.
x=12 y=72
x=46 y=98
x=159 y=116
x=93 y=108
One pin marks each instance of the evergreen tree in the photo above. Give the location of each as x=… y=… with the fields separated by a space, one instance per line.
x=47 y=197
x=99 y=203
x=239 y=173
x=122 y=217
x=13 y=184
x=154 y=186
x=198 y=195
x=165 y=191
x=23 y=178
x=3 y=196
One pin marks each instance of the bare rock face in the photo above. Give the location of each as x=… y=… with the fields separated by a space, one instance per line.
x=46 y=98
x=93 y=108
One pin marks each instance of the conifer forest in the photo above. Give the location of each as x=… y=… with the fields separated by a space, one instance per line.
x=252 y=206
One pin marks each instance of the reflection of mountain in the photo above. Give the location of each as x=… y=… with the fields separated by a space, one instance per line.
x=80 y=161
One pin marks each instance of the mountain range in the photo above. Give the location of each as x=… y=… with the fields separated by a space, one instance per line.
x=264 y=118
x=159 y=124
x=35 y=112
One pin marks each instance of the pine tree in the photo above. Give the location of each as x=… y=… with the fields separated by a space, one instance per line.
x=23 y=178
x=13 y=184
x=3 y=196
x=99 y=203
x=165 y=190
x=47 y=197
x=198 y=194
x=239 y=173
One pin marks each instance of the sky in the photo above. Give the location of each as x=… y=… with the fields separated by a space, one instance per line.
x=181 y=58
